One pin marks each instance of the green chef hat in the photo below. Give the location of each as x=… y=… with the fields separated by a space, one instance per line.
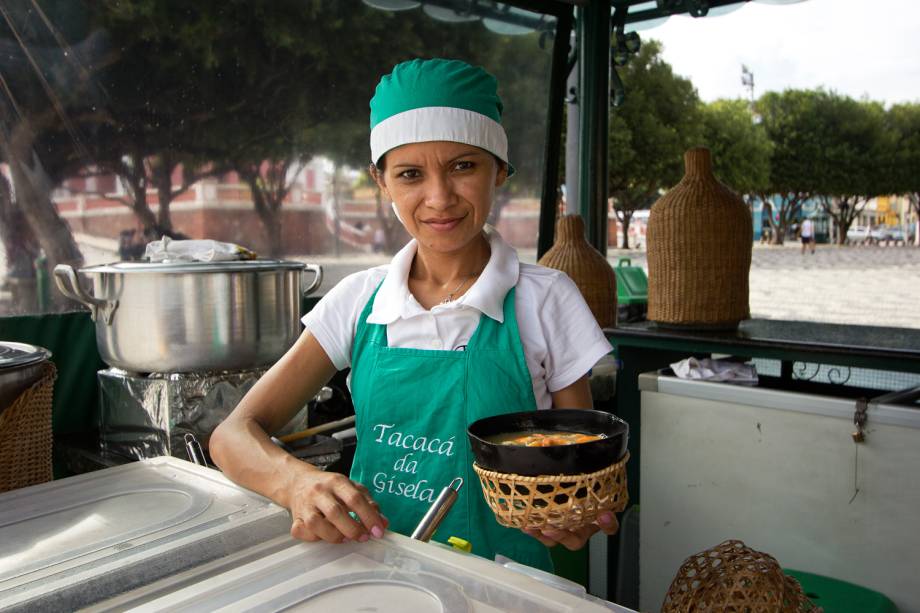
x=437 y=99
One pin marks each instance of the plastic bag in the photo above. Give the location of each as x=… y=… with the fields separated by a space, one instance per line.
x=168 y=250
x=707 y=369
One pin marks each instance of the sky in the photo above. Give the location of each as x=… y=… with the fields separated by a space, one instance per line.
x=860 y=48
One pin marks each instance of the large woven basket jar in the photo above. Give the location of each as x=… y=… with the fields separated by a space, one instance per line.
x=699 y=242
x=595 y=278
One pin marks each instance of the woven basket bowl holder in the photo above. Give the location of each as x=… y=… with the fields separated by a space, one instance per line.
x=565 y=502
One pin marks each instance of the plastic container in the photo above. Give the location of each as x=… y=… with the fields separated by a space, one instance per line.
x=69 y=543
x=394 y=573
x=632 y=291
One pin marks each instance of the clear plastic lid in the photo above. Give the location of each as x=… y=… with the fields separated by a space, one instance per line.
x=85 y=538
x=394 y=574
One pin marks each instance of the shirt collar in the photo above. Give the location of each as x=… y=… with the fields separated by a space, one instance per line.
x=487 y=295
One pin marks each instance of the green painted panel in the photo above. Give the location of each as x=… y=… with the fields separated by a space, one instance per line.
x=71 y=338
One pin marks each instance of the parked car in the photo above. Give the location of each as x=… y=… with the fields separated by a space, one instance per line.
x=858 y=234
x=880 y=234
x=898 y=235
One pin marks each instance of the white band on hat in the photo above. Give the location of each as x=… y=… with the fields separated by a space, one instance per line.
x=433 y=123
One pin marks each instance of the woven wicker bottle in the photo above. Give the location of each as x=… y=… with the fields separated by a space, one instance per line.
x=595 y=278
x=699 y=241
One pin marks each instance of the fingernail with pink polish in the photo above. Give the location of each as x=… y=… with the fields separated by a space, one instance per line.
x=363 y=538
x=606 y=519
x=377 y=531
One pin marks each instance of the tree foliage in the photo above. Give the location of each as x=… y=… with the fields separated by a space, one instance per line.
x=904 y=122
x=854 y=165
x=649 y=133
x=786 y=117
x=152 y=86
x=48 y=111
x=739 y=145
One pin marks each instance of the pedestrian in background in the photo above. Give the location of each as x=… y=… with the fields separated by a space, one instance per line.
x=808 y=235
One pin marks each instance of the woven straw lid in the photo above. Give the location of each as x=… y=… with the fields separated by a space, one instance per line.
x=586 y=266
x=732 y=577
x=699 y=241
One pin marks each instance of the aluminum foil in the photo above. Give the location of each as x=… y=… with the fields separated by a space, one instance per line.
x=148 y=416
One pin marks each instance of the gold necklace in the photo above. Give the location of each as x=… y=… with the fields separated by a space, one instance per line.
x=450 y=296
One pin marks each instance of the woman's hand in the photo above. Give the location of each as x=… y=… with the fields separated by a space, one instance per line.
x=576 y=539
x=321 y=506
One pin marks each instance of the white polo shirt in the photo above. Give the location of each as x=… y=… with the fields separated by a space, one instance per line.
x=560 y=337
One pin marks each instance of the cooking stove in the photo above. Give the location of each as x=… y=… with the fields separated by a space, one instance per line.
x=145 y=416
x=148 y=415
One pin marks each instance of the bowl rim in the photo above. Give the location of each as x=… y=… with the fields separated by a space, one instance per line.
x=616 y=419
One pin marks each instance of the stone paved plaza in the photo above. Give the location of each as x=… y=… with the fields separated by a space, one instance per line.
x=878 y=286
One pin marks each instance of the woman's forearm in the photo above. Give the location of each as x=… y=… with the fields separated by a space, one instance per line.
x=241 y=445
x=244 y=452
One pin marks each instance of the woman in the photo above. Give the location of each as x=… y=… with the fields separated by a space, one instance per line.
x=453 y=330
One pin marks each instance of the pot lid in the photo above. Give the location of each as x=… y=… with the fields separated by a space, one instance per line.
x=13 y=355
x=179 y=266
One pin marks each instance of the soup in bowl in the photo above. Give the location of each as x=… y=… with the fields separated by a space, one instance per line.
x=551 y=442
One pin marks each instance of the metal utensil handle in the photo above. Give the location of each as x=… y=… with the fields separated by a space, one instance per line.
x=317 y=270
x=296 y=436
x=194 y=450
x=438 y=510
x=65 y=277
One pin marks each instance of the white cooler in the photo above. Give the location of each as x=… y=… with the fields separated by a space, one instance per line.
x=167 y=535
x=68 y=543
x=394 y=574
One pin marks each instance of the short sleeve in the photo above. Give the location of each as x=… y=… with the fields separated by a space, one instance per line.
x=574 y=341
x=334 y=319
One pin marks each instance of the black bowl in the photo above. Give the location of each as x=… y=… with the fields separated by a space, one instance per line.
x=572 y=459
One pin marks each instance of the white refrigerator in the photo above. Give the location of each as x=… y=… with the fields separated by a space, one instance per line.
x=781 y=471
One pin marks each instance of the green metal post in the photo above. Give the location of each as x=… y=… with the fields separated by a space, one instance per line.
x=42 y=283
x=593 y=19
x=554 y=133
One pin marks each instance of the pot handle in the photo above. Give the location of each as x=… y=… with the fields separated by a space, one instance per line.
x=317 y=270
x=65 y=277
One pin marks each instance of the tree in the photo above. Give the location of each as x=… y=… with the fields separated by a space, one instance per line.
x=739 y=145
x=50 y=99
x=275 y=82
x=788 y=120
x=855 y=162
x=269 y=182
x=521 y=65
x=21 y=249
x=142 y=88
x=659 y=120
x=904 y=120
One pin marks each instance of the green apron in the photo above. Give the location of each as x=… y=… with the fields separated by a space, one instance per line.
x=413 y=407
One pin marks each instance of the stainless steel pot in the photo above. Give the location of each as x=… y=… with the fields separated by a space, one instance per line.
x=192 y=317
x=21 y=366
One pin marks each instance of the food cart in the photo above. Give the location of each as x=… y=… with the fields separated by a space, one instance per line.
x=217 y=545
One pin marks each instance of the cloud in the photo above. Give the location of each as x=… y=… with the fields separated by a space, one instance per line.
x=855 y=47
